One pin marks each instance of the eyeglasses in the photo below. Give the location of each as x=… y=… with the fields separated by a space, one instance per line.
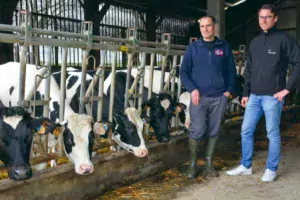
x=265 y=17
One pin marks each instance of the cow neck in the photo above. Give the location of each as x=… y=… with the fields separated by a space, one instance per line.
x=119 y=143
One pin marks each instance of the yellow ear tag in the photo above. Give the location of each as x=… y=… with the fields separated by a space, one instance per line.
x=57 y=131
x=177 y=110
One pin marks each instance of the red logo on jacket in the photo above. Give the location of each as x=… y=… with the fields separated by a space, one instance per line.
x=219 y=52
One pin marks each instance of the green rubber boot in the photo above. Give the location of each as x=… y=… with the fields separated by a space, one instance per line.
x=209 y=154
x=194 y=150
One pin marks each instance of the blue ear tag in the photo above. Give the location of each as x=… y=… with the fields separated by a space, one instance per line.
x=175 y=107
x=104 y=127
x=144 y=121
x=38 y=127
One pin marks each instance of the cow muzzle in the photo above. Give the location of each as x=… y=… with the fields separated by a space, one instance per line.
x=141 y=153
x=20 y=172
x=85 y=169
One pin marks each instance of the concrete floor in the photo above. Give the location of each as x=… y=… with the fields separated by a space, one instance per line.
x=173 y=185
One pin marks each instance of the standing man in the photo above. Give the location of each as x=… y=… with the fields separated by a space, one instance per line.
x=265 y=89
x=208 y=72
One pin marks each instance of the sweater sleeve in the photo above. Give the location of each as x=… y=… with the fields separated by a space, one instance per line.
x=231 y=71
x=292 y=51
x=248 y=74
x=186 y=71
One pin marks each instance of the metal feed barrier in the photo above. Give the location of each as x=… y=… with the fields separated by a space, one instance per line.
x=27 y=36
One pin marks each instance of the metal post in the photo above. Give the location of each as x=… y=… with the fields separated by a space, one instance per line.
x=142 y=82
x=178 y=93
x=150 y=86
x=47 y=82
x=22 y=76
x=83 y=80
x=63 y=85
x=162 y=78
x=101 y=85
x=112 y=87
x=166 y=38
x=174 y=76
x=16 y=53
x=129 y=66
x=131 y=35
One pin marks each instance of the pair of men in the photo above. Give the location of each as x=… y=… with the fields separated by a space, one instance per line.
x=208 y=73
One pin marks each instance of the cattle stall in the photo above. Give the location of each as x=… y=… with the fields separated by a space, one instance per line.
x=26 y=36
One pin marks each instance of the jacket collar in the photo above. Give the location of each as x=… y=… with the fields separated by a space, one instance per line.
x=217 y=42
x=270 y=32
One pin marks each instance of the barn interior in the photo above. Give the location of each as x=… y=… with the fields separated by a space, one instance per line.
x=150 y=19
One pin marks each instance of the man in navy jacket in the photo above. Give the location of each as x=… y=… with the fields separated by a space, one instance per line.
x=208 y=72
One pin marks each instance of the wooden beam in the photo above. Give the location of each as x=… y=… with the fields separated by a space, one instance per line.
x=159 y=21
x=81 y=4
x=102 y=12
x=142 y=17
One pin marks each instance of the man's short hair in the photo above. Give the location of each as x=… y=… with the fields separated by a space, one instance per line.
x=213 y=19
x=270 y=7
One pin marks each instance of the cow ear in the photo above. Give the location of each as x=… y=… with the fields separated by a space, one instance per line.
x=148 y=103
x=119 y=116
x=145 y=119
x=180 y=107
x=102 y=128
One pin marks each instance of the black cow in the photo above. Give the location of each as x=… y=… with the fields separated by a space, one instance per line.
x=17 y=128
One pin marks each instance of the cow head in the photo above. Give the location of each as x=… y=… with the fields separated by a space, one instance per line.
x=162 y=109
x=17 y=128
x=78 y=138
x=128 y=131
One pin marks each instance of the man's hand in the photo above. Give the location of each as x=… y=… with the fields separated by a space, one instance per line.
x=227 y=94
x=280 y=95
x=195 y=97
x=244 y=101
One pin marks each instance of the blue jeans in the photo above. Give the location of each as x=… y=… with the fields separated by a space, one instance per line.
x=256 y=106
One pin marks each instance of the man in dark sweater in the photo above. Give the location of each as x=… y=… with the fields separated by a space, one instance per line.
x=208 y=72
x=265 y=89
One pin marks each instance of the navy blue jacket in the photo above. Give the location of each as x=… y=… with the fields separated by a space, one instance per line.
x=211 y=72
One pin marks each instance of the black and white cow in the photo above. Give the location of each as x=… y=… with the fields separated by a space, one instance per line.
x=127 y=124
x=162 y=104
x=17 y=128
x=77 y=137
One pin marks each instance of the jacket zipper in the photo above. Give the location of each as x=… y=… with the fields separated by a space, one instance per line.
x=209 y=53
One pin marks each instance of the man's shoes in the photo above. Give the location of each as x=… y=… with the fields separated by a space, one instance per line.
x=269 y=176
x=240 y=170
